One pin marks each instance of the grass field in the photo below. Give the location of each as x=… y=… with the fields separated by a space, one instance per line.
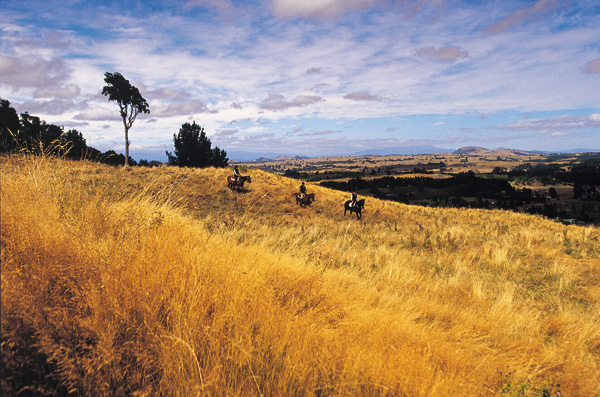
x=159 y=281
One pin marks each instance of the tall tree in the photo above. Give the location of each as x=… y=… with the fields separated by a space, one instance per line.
x=130 y=101
x=193 y=149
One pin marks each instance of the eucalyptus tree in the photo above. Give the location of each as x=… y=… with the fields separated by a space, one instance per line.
x=130 y=101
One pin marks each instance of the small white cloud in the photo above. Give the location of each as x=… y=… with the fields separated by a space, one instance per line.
x=278 y=102
x=439 y=123
x=562 y=133
x=99 y=114
x=442 y=54
x=363 y=96
x=595 y=117
x=179 y=109
x=319 y=133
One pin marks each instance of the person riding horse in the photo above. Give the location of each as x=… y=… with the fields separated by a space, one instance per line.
x=353 y=198
x=236 y=173
x=302 y=191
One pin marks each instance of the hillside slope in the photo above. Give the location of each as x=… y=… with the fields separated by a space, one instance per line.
x=161 y=281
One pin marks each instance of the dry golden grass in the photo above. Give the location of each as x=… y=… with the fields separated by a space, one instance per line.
x=162 y=282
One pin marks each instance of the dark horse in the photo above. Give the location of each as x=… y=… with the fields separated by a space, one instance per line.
x=231 y=182
x=358 y=207
x=306 y=200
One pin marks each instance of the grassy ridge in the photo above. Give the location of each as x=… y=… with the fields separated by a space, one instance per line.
x=160 y=281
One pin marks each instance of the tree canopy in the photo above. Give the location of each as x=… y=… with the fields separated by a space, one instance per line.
x=193 y=149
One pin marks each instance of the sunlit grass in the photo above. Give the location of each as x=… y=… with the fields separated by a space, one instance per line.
x=160 y=281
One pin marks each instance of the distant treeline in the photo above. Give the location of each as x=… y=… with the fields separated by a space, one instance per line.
x=466 y=184
x=489 y=191
x=584 y=172
x=30 y=134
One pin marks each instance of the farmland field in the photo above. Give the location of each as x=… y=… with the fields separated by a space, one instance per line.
x=533 y=183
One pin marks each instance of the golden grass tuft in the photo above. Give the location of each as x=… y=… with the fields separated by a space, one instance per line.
x=161 y=281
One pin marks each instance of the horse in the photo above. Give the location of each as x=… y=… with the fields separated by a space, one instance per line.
x=231 y=182
x=358 y=207
x=306 y=200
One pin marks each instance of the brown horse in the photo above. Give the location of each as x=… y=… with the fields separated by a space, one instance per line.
x=307 y=200
x=231 y=182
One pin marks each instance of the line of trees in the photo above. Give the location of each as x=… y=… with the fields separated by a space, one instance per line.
x=31 y=135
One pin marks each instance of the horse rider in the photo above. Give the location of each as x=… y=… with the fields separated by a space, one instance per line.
x=353 y=198
x=236 y=173
x=302 y=191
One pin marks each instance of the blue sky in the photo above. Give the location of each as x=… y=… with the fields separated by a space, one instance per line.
x=311 y=78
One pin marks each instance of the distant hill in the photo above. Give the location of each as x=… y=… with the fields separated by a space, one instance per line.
x=403 y=150
x=251 y=156
x=481 y=151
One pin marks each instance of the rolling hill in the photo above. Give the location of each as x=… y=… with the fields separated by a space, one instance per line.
x=159 y=281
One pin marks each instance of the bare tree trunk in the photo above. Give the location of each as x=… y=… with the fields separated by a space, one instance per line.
x=126 y=143
x=126 y=148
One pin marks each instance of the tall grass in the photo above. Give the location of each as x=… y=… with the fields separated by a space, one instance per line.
x=160 y=281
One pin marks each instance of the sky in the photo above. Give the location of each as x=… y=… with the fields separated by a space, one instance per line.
x=311 y=77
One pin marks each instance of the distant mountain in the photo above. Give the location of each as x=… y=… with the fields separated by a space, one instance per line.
x=404 y=150
x=251 y=156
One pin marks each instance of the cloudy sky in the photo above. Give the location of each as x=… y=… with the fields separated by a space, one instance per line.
x=311 y=77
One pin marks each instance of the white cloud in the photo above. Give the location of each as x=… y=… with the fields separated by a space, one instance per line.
x=356 y=65
x=363 y=96
x=563 y=133
x=178 y=109
x=319 y=133
x=32 y=71
x=554 y=125
x=49 y=107
x=99 y=114
x=278 y=102
x=442 y=54
x=67 y=91
x=522 y=15
x=318 y=9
